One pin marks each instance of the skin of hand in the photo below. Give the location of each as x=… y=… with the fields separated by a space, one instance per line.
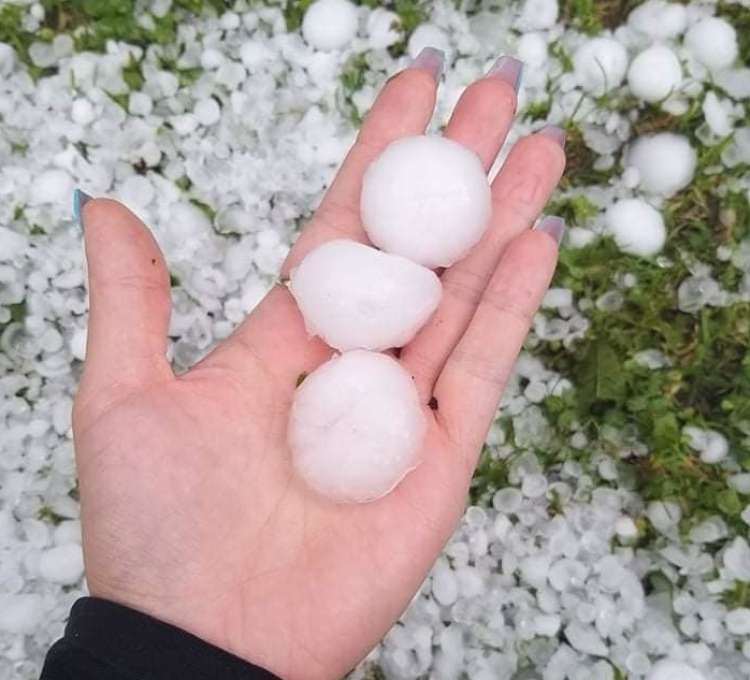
x=190 y=509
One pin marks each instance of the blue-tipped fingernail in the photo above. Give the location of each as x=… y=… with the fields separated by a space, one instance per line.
x=557 y=134
x=80 y=198
x=508 y=70
x=552 y=225
x=431 y=60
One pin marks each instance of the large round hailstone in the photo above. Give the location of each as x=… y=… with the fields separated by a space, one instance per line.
x=330 y=24
x=674 y=670
x=637 y=227
x=356 y=427
x=426 y=198
x=655 y=74
x=600 y=65
x=713 y=42
x=665 y=162
x=428 y=35
x=356 y=297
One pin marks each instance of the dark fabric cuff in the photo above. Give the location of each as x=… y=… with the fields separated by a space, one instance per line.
x=106 y=640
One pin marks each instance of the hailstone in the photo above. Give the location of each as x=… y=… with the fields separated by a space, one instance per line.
x=356 y=427
x=354 y=296
x=600 y=65
x=330 y=24
x=637 y=227
x=713 y=42
x=655 y=74
x=674 y=670
x=665 y=162
x=659 y=20
x=426 y=198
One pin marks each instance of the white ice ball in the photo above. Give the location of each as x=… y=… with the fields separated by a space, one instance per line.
x=674 y=670
x=62 y=564
x=665 y=162
x=538 y=15
x=330 y=24
x=659 y=20
x=655 y=74
x=429 y=35
x=713 y=42
x=426 y=198
x=52 y=186
x=637 y=227
x=600 y=65
x=356 y=297
x=356 y=427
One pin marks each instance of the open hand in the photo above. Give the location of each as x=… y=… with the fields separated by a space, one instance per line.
x=190 y=508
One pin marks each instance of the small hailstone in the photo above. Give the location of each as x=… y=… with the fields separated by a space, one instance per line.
x=600 y=65
x=655 y=73
x=62 y=564
x=140 y=104
x=82 y=111
x=507 y=500
x=207 y=111
x=737 y=559
x=637 y=227
x=674 y=670
x=738 y=621
x=664 y=515
x=712 y=445
x=136 y=191
x=330 y=24
x=585 y=639
x=665 y=162
x=12 y=244
x=354 y=296
x=429 y=35
x=659 y=20
x=78 y=344
x=21 y=613
x=383 y=28
x=555 y=298
x=538 y=14
x=356 y=426
x=740 y=482
x=426 y=198
x=716 y=115
x=444 y=585
x=52 y=186
x=546 y=624
x=713 y=42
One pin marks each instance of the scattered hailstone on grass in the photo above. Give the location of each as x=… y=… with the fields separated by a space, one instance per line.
x=538 y=15
x=717 y=115
x=655 y=74
x=637 y=227
x=383 y=28
x=713 y=42
x=330 y=24
x=354 y=296
x=600 y=65
x=712 y=445
x=674 y=670
x=356 y=427
x=426 y=198
x=52 y=186
x=659 y=20
x=665 y=162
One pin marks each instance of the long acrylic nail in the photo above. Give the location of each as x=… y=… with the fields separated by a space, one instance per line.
x=556 y=134
x=430 y=59
x=552 y=225
x=508 y=70
x=80 y=198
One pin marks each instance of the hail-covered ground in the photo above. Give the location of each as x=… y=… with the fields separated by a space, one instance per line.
x=607 y=535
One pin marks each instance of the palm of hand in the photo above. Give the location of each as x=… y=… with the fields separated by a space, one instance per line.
x=190 y=507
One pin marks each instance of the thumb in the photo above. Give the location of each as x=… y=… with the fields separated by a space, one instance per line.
x=129 y=301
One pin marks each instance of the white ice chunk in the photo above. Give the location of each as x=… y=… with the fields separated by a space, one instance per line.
x=354 y=296
x=12 y=244
x=655 y=74
x=674 y=670
x=62 y=564
x=52 y=186
x=665 y=162
x=429 y=35
x=383 y=28
x=713 y=42
x=330 y=24
x=426 y=198
x=600 y=65
x=356 y=426
x=717 y=115
x=637 y=227
x=538 y=15
x=738 y=621
x=659 y=20
x=20 y=613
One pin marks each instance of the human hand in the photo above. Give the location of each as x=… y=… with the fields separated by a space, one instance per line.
x=191 y=511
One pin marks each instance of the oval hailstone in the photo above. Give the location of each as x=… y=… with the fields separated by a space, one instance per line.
x=665 y=162
x=356 y=427
x=674 y=670
x=600 y=65
x=356 y=297
x=426 y=198
x=637 y=227
x=713 y=42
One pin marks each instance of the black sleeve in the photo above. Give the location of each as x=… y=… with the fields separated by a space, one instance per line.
x=106 y=641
